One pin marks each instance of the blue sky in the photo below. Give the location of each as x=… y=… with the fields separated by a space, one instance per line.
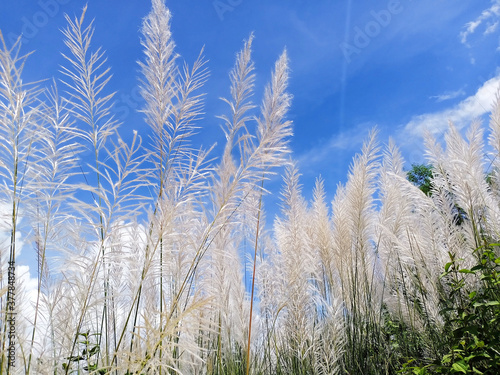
x=399 y=65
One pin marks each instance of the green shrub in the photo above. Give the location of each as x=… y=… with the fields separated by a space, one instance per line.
x=472 y=317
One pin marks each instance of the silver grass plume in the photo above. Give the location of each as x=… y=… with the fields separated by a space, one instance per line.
x=295 y=328
x=20 y=116
x=59 y=151
x=116 y=170
x=328 y=341
x=354 y=224
x=226 y=282
x=178 y=181
x=407 y=247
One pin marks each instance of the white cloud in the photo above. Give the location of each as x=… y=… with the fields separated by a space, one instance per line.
x=470 y=28
x=345 y=142
x=461 y=114
x=491 y=28
x=491 y=14
x=448 y=95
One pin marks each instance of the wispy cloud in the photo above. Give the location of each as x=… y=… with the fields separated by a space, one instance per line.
x=461 y=114
x=490 y=16
x=491 y=28
x=345 y=142
x=448 y=95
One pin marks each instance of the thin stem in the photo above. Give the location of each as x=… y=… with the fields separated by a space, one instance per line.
x=253 y=278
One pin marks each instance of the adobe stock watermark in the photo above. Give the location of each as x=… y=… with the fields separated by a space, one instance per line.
x=31 y=25
x=11 y=316
x=364 y=35
x=223 y=6
x=125 y=103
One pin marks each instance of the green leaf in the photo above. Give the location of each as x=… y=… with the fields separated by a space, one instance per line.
x=489 y=303
x=460 y=367
x=465 y=270
x=94 y=350
x=75 y=358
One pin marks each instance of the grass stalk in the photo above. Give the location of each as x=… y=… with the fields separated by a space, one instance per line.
x=256 y=246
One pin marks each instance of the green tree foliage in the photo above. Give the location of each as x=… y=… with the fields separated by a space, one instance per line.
x=421 y=176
